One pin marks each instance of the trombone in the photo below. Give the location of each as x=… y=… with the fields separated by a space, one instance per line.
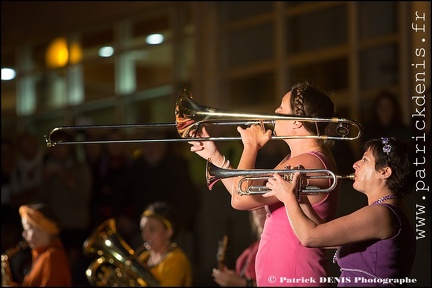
x=214 y=174
x=190 y=116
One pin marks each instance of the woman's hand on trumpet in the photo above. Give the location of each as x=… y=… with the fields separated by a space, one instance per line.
x=283 y=190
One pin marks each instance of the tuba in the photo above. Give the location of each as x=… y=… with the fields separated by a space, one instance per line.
x=15 y=263
x=117 y=265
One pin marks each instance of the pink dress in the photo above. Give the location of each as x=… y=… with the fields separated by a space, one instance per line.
x=281 y=259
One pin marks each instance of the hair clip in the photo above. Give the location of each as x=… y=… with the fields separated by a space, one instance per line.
x=387 y=147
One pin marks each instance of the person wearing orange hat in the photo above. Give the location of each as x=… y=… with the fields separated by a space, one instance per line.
x=50 y=263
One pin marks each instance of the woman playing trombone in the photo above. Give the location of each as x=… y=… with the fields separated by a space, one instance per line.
x=376 y=243
x=280 y=254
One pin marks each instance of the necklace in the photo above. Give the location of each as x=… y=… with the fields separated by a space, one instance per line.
x=382 y=199
x=152 y=263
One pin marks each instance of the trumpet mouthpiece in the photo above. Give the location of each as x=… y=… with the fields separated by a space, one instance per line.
x=350 y=176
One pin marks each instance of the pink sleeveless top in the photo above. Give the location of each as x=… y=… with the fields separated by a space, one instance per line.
x=281 y=259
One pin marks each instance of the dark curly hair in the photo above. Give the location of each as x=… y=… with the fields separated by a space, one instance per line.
x=400 y=159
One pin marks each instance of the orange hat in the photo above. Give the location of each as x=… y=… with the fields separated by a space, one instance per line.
x=38 y=220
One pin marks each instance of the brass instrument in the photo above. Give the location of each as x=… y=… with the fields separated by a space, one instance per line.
x=117 y=265
x=191 y=116
x=214 y=174
x=6 y=272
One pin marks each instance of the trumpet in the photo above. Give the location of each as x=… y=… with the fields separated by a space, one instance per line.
x=190 y=116
x=214 y=174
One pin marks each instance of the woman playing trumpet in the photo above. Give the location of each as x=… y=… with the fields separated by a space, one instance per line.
x=280 y=254
x=376 y=243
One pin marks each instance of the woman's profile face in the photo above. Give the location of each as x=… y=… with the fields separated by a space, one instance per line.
x=35 y=237
x=284 y=108
x=365 y=172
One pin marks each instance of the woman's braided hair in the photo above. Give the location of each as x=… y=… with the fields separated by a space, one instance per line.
x=308 y=101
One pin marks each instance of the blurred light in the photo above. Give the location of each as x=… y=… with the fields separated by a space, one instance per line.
x=75 y=53
x=106 y=51
x=57 y=53
x=7 y=74
x=154 y=39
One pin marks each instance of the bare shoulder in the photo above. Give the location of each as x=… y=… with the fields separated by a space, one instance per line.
x=307 y=160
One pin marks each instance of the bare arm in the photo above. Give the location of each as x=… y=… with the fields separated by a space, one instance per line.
x=360 y=225
x=253 y=139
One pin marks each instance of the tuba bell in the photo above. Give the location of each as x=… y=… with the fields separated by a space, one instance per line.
x=117 y=265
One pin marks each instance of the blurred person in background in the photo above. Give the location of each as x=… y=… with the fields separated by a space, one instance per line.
x=21 y=179
x=41 y=231
x=167 y=262
x=67 y=189
x=386 y=119
x=109 y=163
x=29 y=169
x=159 y=172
